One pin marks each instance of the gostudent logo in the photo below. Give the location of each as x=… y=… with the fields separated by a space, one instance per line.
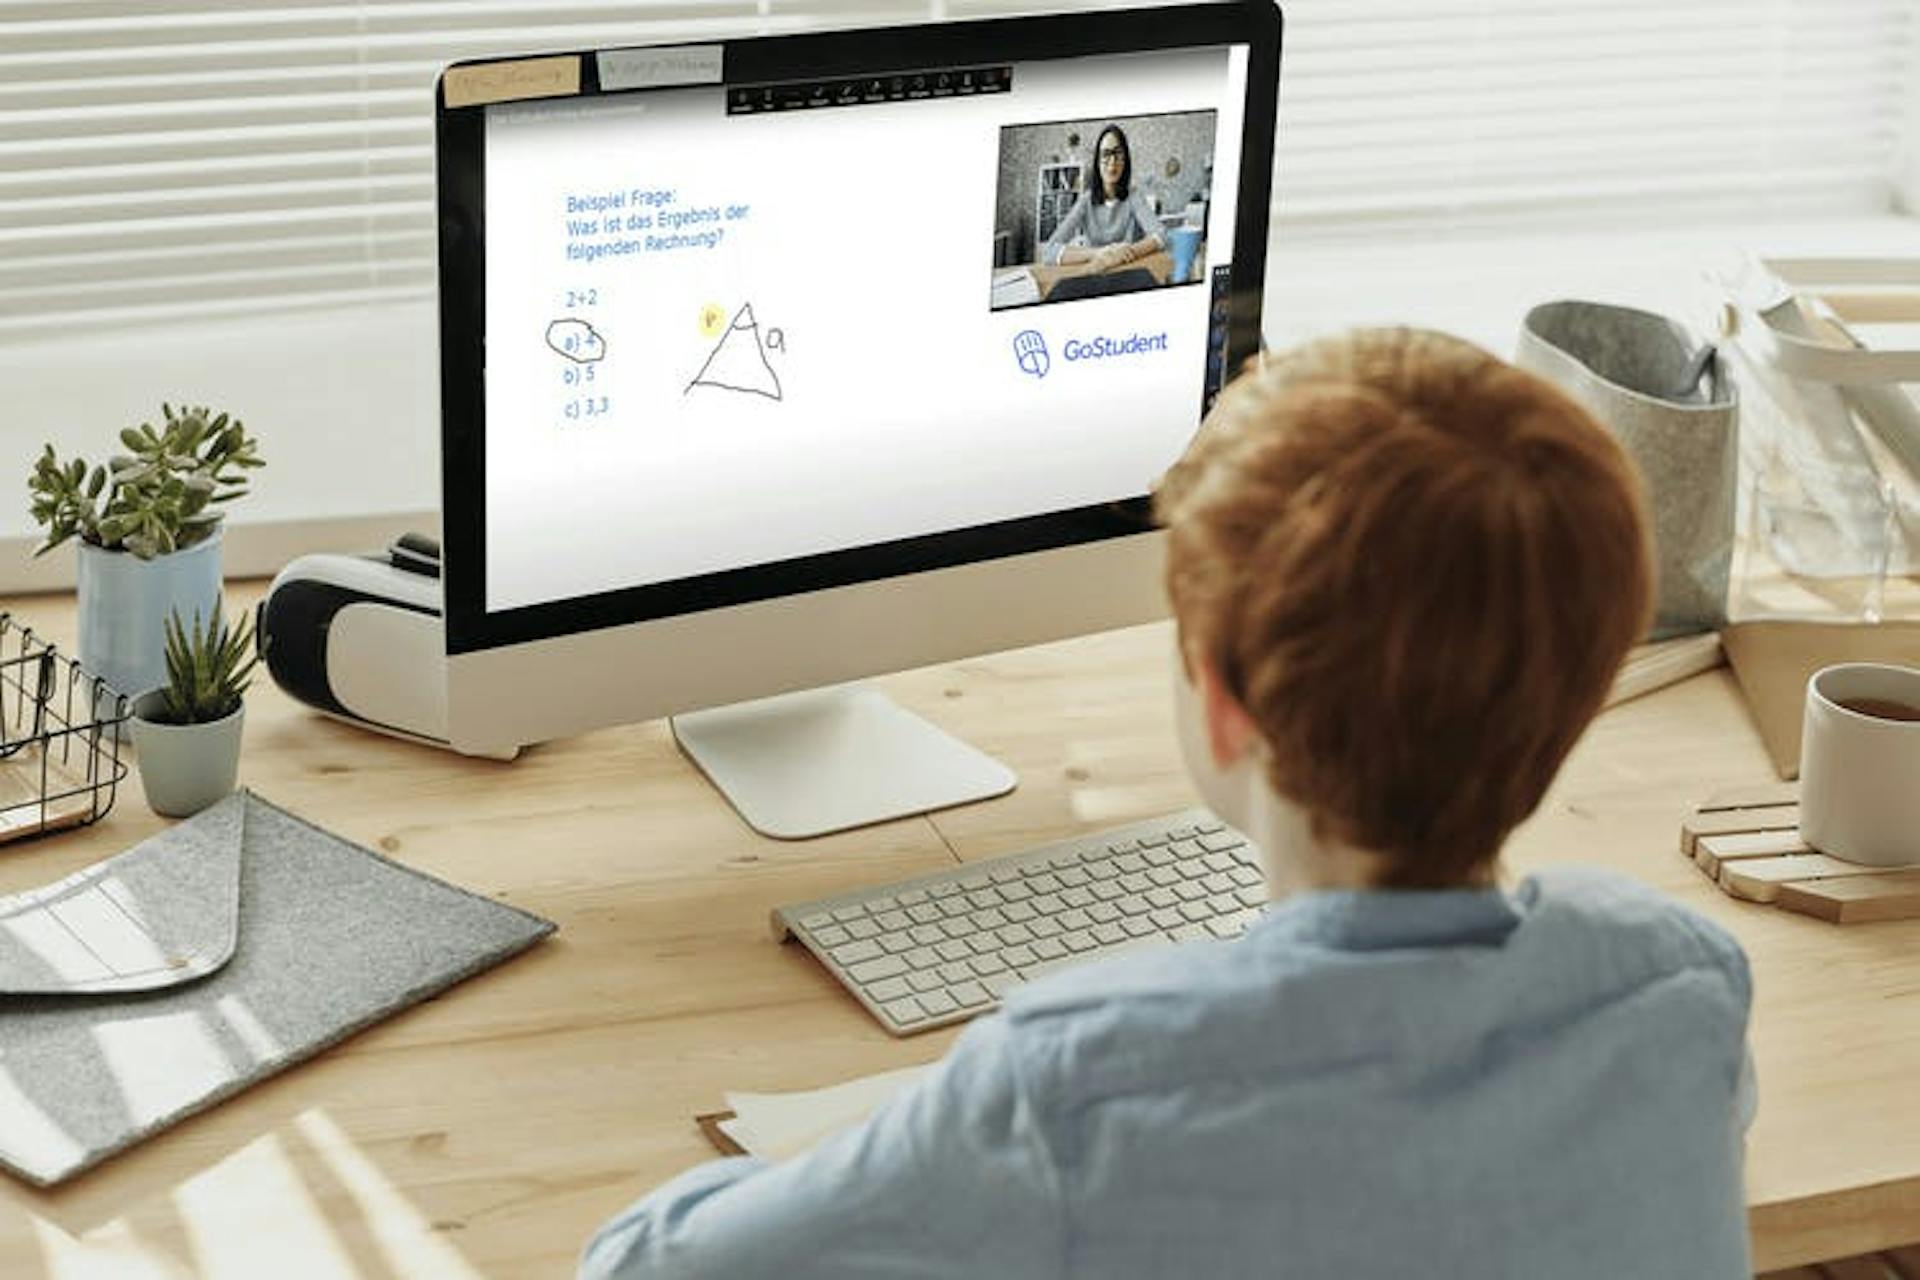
x=1106 y=348
x=1030 y=352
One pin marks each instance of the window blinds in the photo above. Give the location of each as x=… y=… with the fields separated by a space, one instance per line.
x=162 y=159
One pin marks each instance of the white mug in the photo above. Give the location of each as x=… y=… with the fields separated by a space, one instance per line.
x=1860 y=764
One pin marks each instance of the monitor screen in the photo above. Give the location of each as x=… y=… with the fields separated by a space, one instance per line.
x=729 y=326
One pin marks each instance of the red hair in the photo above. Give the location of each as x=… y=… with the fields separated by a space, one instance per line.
x=1418 y=569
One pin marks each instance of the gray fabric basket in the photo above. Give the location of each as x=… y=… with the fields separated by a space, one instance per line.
x=1633 y=370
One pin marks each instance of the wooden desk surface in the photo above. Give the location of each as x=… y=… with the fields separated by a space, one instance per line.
x=487 y=1132
x=1158 y=264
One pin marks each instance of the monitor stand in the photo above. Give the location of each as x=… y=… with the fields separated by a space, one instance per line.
x=806 y=764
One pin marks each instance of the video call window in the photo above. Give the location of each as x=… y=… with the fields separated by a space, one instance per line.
x=1088 y=208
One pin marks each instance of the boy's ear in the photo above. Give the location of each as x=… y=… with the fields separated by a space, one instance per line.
x=1231 y=732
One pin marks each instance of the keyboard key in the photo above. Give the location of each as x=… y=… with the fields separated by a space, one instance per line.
x=953 y=950
x=1186 y=850
x=1158 y=857
x=1223 y=904
x=1103 y=912
x=1000 y=983
x=952 y=973
x=1188 y=933
x=832 y=936
x=1107 y=890
x=1018 y=891
x=1018 y=912
x=855 y=952
x=1136 y=927
x=1049 y=904
x=1135 y=882
x=905 y=1011
x=1018 y=956
x=894 y=943
x=985 y=898
x=984 y=965
x=984 y=944
x=1167 y=918
x=1108 y=934
x=1221 y=861
x=1072 y=876
x=885 y=902
x=969 y=994
x=942 y=889
x=1153 y=838
x=924 y=912
x=1044 y=926
x=911 y=897
x=1187 y=891
x=1196 y=911
x=887 y=989
x=1060 y=861
x=988 y=919
x=1078 y=940
x=862 y=928
x=1048 y=948
x=874 y=970
x=1218 y=883
x=893 y=920
x=1184 y=833
x=1074 y=919
x=817 y=921
x=1164 y=876
x=1003 y=875
x=926 y=935
x=1162 y=898
x=855 y=912
x=1245 y=875
x=1209 y=826
x=1015 y=933
x=958 y=928
x=955 y=907
x=1046 y=882
x=1131 y=905
x=1076 y=897
x=1220 y=842
x=1123 y=846
x=1253 y=897
x=921 y=958
x=971 y=883
x=925 y=980
x=1129 y=864
x=937 y=1003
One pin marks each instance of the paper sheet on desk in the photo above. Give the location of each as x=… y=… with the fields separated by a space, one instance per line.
x=774 y=1126
x=1015 y=288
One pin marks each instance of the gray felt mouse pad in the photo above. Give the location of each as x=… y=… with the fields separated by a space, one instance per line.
x=331 y=938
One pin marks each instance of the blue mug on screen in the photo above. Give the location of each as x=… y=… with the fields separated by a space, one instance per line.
x=1185 y=244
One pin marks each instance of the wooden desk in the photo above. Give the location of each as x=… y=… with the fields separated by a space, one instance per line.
x=1158 y=264
x=487 y=1132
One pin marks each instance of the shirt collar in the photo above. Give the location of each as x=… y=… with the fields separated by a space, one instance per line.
x=1384 y=919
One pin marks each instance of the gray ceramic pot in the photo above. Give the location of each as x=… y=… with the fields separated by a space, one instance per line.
x=185 y=767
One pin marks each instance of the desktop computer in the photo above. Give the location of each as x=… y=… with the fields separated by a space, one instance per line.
x=769 y=364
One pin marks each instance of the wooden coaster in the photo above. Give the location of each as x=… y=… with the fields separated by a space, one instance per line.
x=1748 y=842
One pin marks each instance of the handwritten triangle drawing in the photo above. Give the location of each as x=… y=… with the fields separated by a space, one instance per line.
x=738 y=361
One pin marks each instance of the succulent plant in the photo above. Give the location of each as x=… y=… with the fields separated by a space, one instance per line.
x=163 y=495
x=208 y=668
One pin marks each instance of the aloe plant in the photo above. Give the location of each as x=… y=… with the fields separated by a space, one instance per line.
x=164 y=494
x=208 y=668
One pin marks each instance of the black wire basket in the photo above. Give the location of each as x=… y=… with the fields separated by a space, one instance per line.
x=61 y=730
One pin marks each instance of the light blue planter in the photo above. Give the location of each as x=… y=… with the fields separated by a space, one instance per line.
x=124 y=602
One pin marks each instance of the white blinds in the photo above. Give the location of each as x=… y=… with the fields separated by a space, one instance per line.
x=166 y=158
x=1397 y=113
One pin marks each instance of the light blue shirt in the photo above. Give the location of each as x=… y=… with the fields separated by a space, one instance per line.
x=1541 y=1084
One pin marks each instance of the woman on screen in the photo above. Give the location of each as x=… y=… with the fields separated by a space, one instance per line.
x=1115 y=221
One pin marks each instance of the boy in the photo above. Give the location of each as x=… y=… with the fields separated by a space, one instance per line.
x=1404 y=574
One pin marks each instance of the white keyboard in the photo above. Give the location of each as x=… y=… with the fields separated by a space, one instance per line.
x=939 y=949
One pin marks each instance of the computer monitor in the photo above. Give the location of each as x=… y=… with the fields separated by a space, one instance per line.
x=773 y=363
